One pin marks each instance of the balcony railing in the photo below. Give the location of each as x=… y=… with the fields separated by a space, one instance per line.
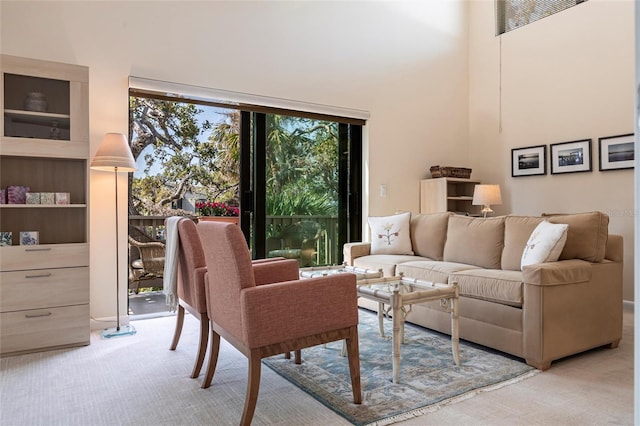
x=327 y=251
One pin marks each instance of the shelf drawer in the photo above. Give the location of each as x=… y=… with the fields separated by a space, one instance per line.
x=44 y=328
x=43 y=288
x=44 y=256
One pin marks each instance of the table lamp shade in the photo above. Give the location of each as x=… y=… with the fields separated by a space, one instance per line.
x=114 y=152
x=486 y=195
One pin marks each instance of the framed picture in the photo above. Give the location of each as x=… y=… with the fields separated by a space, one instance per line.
x=616 y=152
x=571 y=157
x=529 y=161
x=5 y=239
x=29 y=238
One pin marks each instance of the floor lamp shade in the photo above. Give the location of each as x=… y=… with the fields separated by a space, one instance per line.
x=114 y=152
x=114 y=155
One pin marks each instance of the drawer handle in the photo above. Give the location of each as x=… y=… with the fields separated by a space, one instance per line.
x=38 y=249
x=48 y=274
x=48 y=314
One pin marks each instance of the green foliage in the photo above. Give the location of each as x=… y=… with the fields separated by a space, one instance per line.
x=170 y=135
x=301 y=166
x=184 y=153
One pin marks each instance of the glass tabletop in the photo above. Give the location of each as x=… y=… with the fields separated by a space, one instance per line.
x=321 y=271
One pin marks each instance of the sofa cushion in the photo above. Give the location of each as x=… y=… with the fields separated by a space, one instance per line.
x=517 y=230
x=390 y=234
x=386 y=262
x=586 y=237
x=475 y=241
x=431 y=270
x=428 y=234
x=492 y=285
x=545 y=243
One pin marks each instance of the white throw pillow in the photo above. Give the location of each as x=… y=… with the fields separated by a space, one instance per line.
x=390 y=234
x=545 y=243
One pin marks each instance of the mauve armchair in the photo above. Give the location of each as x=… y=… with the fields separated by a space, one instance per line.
x=280 y=315
x=191 y=290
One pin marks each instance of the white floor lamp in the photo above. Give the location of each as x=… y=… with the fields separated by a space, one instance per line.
x=114 y=155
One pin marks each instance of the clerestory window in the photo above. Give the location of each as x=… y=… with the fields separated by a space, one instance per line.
x=512 y=14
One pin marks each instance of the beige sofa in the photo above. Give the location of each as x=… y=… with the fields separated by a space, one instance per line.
x=541 y=313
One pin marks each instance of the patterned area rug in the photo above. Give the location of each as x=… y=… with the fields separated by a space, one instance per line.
x=428 y=376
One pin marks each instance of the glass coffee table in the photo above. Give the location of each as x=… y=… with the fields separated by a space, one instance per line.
x=322 y=271
x=399 y=293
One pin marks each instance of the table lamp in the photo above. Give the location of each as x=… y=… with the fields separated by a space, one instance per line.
x=485 y=196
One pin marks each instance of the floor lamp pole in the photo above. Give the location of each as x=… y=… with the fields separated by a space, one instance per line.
x=108 y=333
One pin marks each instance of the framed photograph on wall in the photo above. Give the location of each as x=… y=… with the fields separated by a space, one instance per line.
x=529 y=161
x=571 y=157
x=616 y=152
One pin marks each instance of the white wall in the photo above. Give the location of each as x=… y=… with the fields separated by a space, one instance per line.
x=566 y=77
x=404 y=62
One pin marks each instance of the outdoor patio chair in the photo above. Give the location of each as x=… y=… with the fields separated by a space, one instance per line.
x=148 y=264
x=282 y=315
x=297 y=241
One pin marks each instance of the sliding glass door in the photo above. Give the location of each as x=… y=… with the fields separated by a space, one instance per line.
x=304 y=176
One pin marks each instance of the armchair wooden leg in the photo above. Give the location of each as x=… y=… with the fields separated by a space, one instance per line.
x=253 y=386
x=213 y=359
x=178 y=330
x=202 y=345
x=354 y=364
x=298 y=359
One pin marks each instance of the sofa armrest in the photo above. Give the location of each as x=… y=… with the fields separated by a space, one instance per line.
x=615 y=248
x=557 y=273
x=570 y=306
x=351 y=251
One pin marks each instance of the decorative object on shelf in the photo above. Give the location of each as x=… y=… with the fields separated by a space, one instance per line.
x=47 y=198
x=63 y=198
x=571 y=157
x=17 y=194
x=29 y=238
x=3 y=196
x=458 y=172
x=214 y=208
x=114 y=154
x=54 y=132
x=32 y=197
x=616 y=152
x=485 y=196
x=529 y=161
x=35 y=101
x=6 y=239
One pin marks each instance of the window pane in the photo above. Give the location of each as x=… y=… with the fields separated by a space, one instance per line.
x=302 y=189
x=512 y=14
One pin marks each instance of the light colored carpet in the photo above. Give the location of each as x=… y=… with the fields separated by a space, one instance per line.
x=137 y=381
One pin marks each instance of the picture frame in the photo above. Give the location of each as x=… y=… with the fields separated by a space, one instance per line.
x=6 y=239
x=616 y=152
x=571 y=157
x=529 y=161
x=29 y=238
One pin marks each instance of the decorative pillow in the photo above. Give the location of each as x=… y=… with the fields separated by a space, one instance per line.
x=390 y=234
x=545 y=243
